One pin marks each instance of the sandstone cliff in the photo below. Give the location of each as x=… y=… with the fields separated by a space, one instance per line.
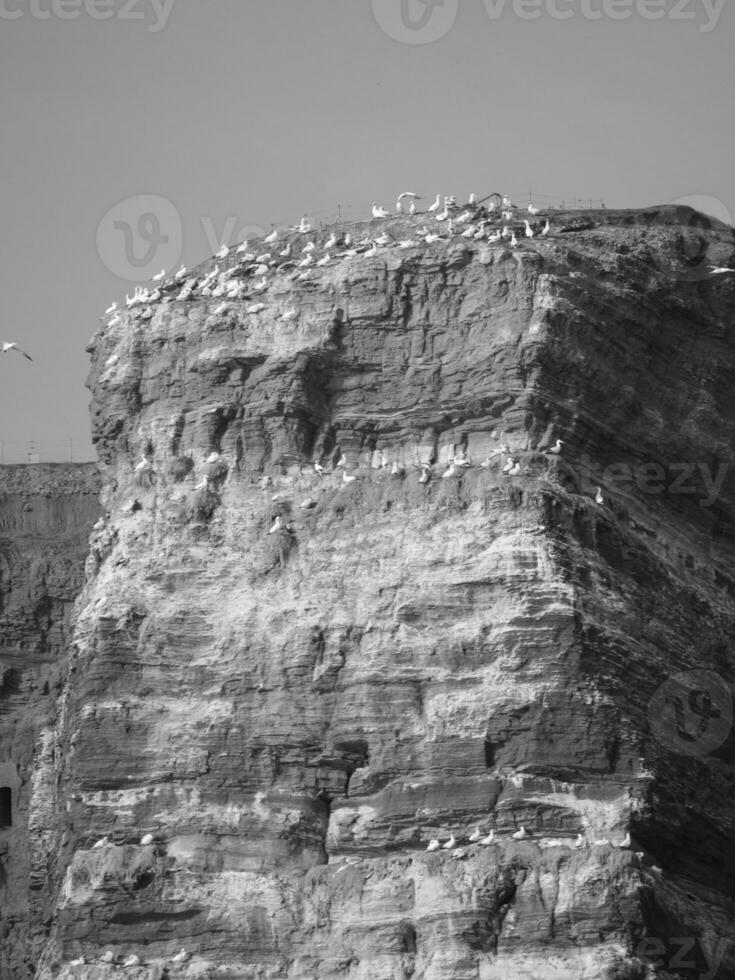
x=46 y=514
x=261 y=732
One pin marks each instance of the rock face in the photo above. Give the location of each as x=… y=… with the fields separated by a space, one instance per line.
x=285 y=683
x=46 y=513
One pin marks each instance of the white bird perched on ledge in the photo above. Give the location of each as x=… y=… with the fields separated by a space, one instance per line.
x=546 y=229
x=111 y=308
x=276 y=525
x=529 y=229
x=521 y=834
x=556 y=449
x=146 y=840
x=599 y=499
x=132 y=960
x=532 y=209
x=490 y=839
x=273 y=237
x=159 y=276
x=437 y=204
x=476 y=835
x=379 y=211
x=433 y=845
x=9 y=346
x=452 y=842
x=223 y=252
x=719 y=270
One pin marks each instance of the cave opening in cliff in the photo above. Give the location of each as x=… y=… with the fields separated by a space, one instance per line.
x=6 y=807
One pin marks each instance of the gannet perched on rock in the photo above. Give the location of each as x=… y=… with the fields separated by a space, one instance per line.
x=581 y=841
x=433 y=845
x=256 y=308
x=146 y=840
x=222 y=308
x=103 y=842
x=289 y=314
x=547 y=227
x=472 y=199
x=556 y=448
x=532 y=209
x=626 y=843
x=513 y=240
x=309 y=247
x=383 y=239
x=276 y=525
x=459 y=854
x=223 y=252
x=432 y=238
x=318 y=468
x=399 y=206
x=452 y=842
x=379 y=211
x=111 y=308
x=181 y=957
x=475 y=836
x=719 y=270
x=521 y=834
x=347 y=479
x=325 y=259
x=371 y=252
x=330 y=242
x=9 y=346
x=426 y=473
x=132 y=960
x=304 y=226
x=273 y=237
x=180 y=274
x=529 y=229
x=437 y=204
x=599 y=499
x=107 y=957
x=515 y=469
x=490 y=839
x=509 y=465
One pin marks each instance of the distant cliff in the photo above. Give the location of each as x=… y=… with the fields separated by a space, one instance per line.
x=263 y=731
x=46 y=515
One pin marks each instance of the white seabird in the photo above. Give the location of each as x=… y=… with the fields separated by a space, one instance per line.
x=452 y=842
x=309 y=247
x=276 y=525
x=532 y=209
x=433 y=845
x=547 y=227
x=111 y=308
x=325 y=259
x=459 y=854
x=556 y=449
x=399 y=206
x=437 y=204
x=223 y=252
x=318 y=468
x=426 y=473
x=490 y=839
x=515 y=469
x=290 y=314
x=581 y=841
x=9 y=346
x=432 y=238
x=181 y=957
x=626 y=843
x=513 y=240
x=509 y=465
x=472 y=199
x=145 y=841
x=379 y=211
x=599 y=499
x=180 y=274
x=719 y=270
x=256 y=308
x=102 y=842
x=330 y=242
x=529 y=229
x=475 y=836
x=372 y=252
x=222 y=308
x=132 y=960
x=107 y=957
x=348 y=479
x=521 y=834
x=273 y=237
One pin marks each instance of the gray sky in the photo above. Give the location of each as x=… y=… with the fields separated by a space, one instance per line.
x=241 y=113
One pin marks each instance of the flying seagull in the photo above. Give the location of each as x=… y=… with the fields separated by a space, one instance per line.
x=8 y=346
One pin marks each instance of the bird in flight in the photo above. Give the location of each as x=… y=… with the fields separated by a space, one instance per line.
x=7 y=347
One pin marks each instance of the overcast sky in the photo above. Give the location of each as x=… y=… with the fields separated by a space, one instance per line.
x=140 y=133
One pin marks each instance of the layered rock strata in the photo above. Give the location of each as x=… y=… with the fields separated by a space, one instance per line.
x=284 y=682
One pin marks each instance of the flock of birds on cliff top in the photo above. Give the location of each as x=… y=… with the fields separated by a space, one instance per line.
x=247 y=280
x=474 y=220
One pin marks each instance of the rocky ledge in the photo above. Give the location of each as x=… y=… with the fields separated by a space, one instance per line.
x=288 y=679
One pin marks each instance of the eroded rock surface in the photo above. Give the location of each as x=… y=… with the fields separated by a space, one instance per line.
x=260 y=732
x=46 y=514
